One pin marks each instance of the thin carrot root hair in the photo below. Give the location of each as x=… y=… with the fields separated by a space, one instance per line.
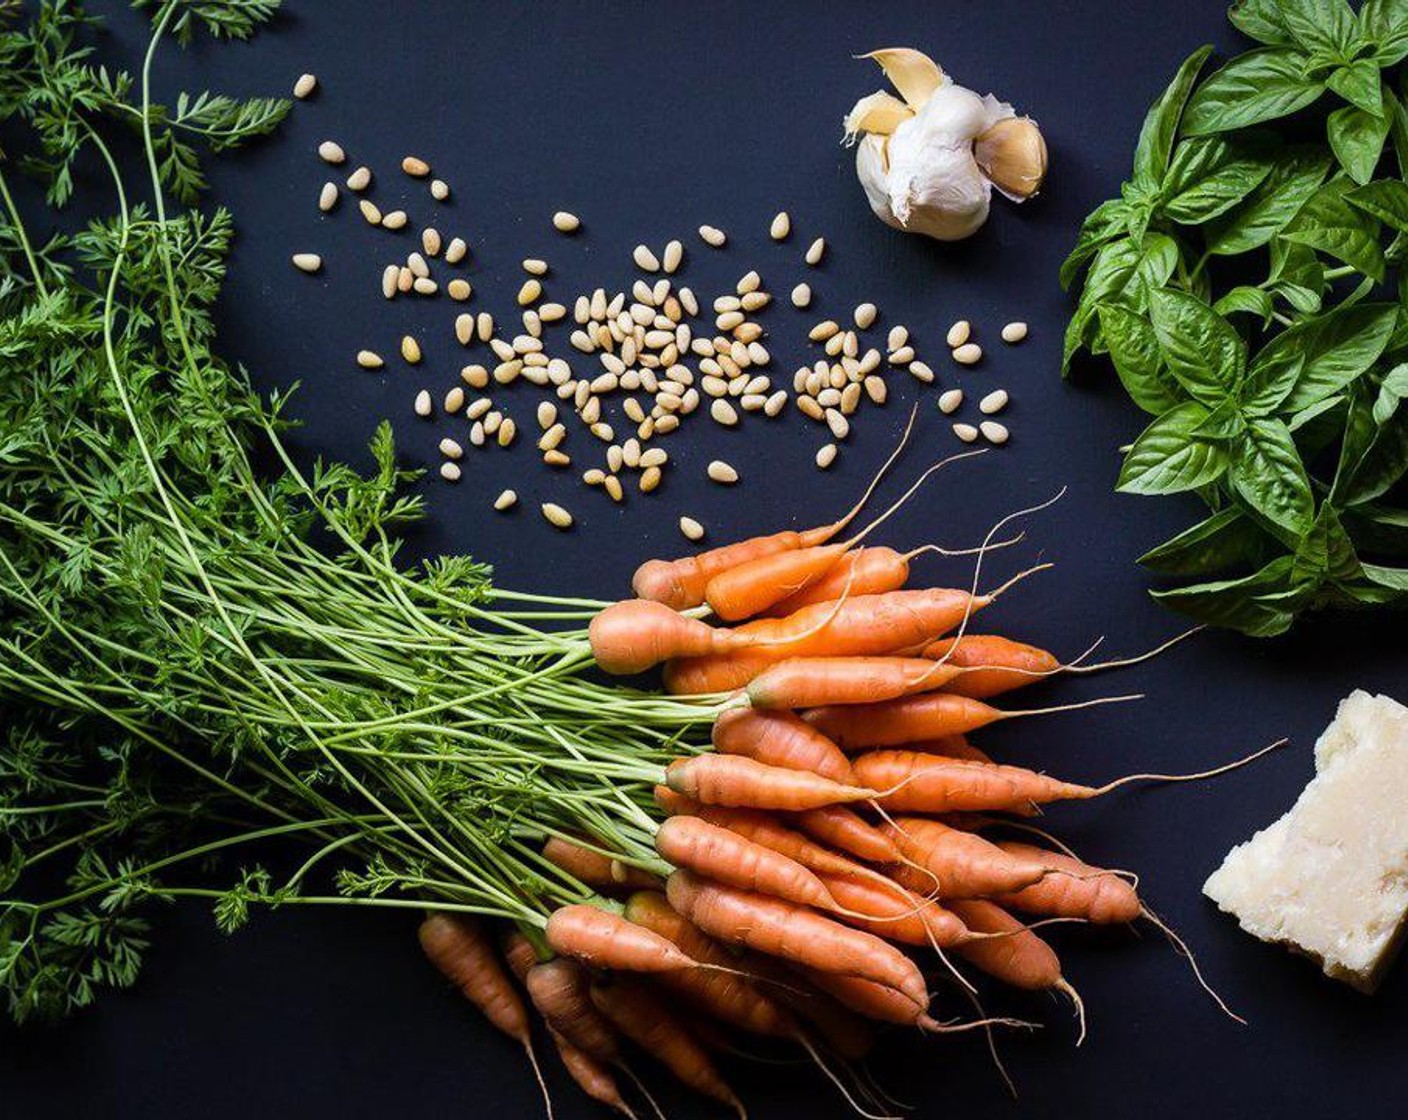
x=973 y=550
x=538 y=1075
x=1199 y=776
x=836 y=526
x=1136 y=659
x=1064 y=987
x=1181 y=948
x=914 y=486
x=991 y=1036
x=642 y=1090
x=919 y=867
x=1130 y=877
x=958 y=1026
x=835 y=1079
x=879 y=1092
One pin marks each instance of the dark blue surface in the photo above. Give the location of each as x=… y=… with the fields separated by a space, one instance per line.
x=648 y=120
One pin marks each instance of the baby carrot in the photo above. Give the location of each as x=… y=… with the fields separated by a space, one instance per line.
x=926 y=783
x=558 y=989
x=777 y=738
x=964 y=864
x=874 y=1001
x=1078 y=890
x=461 y=949
x=593 y=1077
x=994 y=664
x=793 y=933
x=845 y=829
x=869 y=570
x=752 y=587
x=606 y=940
x=600 y=872
x=720 y=854
x=895 y=913
x=812 y=682
x=1020 y=958
x=720 y=779
x=635 y=634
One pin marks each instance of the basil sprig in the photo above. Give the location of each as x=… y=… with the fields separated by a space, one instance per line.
x=1279 y=403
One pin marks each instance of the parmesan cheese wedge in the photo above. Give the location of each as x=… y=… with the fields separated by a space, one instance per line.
x=1330 y=878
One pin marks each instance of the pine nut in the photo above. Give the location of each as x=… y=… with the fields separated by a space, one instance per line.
x=370 y=212
x=920 y=371
x=1014 y=332
x=827 y=455
x=456 y=250
x=691 y=529
x=459 y=289
x=850 y=398
x=748 y=282
x=327 y=197
x=450 y=471
x=535 y=267
x=566 y=222
x=506 y=501
x=801 y=295
x=613 y=487
x=903 y=356
x=688 y=302
x=970 y=353
x=307 y=262
x=555 y=458
x=484 y=326
x=723 y=413
x=966 y=432
x=645 y=259
x=454 y=400
x=950 y=401
x=430 y=241
x=304 y=87
x=898 y=337
x=439 y=190
x=369 y=359
x=416 y=263
x=839 y=425
x=815 y=251
x=475 y=376
x=425 y=286
x=557 y=517
x=476 y=433
x=823 y=330
x=650 y=480
x=551 y=312
x=958 y=334
x=876 y=389
x=654 y=457
x=993 y=432
x=781 y=226
x=529 y=293
x=464 y=327
x=722 y=473
x=395 y=220
x=865 y=315
x=507 y=430
x=810 y=408
x=479 y=409
x=993 y=403
x=450 y=449
x=330 y=151
x=673 y=256
x=423 y=406
x=360 y=179
x=415 y=166
x=712 y=236
x=755 y=301
x=410 y=349
x=729 y=320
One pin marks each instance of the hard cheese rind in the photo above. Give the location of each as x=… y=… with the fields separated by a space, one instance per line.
x=1330 y=878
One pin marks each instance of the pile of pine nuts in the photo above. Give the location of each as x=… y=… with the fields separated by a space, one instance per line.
x=651 y=352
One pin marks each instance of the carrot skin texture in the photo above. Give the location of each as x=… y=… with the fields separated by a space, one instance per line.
x=923 y=783
x=636 y=634
x=680 y=584
x=1076 y=890
x=909 y=719
x=871 y=570
x=597 y=871
x=778 y=738
x=859 y=625
x=1021 y=959
x=604 y=940
x=813 y=682
x=558 y=989
x=874 y=1001
x=464 y=953
x=752 y=587
x=792 y=933
x=964 y=863
x=717 y=853
x=951 y=746
x=845 y=829
x=717 y=779
x=898 y=914
x=519 y=955
x=995 y=664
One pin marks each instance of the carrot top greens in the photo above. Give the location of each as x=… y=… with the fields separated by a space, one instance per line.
x=1277 y=402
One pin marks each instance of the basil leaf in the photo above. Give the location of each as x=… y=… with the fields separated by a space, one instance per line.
x=1297 y=275
x=1105 y=223
x=1273 y=374
x=1384 y=25
x=1337 y=347
x=1167 y=459
x=1134 y=349
x=1395 y=578
x=1397 y=129
x=1261 y=20
x=1160 y=126
x=1358 y=433
x=1294 y=177
x=1244 y=297
x=1378 y=528
x=1330 y=224
x=1325 y=25
x=1359 y=84
x=1385 y=199
x=1223 y=423
x=1207 y=178
x=1392 y=392
x=1267 y=474
x=1298 y=420
x=1260 y=85
x=1325 y=552
x=1357 y=139
x=1203 y=352
x=1382 y=466
x=1226 y=538
x=1262 y=604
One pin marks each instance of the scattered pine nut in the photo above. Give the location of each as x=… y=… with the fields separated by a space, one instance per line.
x=993 y=432
x=1014 y=332
x=865 y=315
x=456 y=250
x=673 y=256
x=329 y=151
x=451 y=449
x=360 y=179
x=397 y=219
x=417 y=264
x=966 y=432
x=958 y=334
x=410 y=349
x=650 y=480
x=970 y=353
x=415 y=166
x=425 y=286
x=307 y=262
x=823 y=330
x=535 y=267
x=723 y=413
x=827 y=455
x=565 y=221
x=459 y=289
x=508 y=428
x=711 y=235
x=781 y=226
x=439 y=190
x=305 y=86
x=327 y=197
x=508 y=499
x=898 y=337
x=529 y=293
x=691 y=529
x=423 y=406
x=369 y=359
x=389 y=277
x=645 y=259
x=722 y=473
x=484 y=326
x=993 y=403
x=454 y=400
x=450 y=471
x=430 y=241
x=369 y=211
x=749 y=282
x=613 y=487
x=801 y=295
x=901 y=357
x=950 y=401
x=815 y=251
x=464 y=328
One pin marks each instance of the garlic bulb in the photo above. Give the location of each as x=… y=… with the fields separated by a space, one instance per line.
x=928 y=163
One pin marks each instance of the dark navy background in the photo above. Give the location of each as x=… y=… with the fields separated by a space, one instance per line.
x=647 y=120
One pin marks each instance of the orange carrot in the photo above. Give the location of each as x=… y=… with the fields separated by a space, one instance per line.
x=461 y=949
x=520 y=955
x=1078 y=890
x=679 y=584
x=606 y=940
x=964 y=864
x=746 y=590
x=777 y=738
x=870 y=570
x=720 y=779
x=926 y=783
x=635 y=634
x=639 y=1015
x=592 y=1076
x=898 y=914
x=994 y=664
x=906 y=720
x=726 y=995
x=857 y=625
x=845 y=829
x=845 y=1033
x=558 y=989
x=792 y=933
x=1020 y=958
x=811 y=682
x=874 y=1001
x=600 y=872
x=717 y=853
x=951 y=746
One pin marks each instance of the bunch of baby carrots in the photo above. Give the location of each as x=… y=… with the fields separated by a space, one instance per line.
x=838 y=844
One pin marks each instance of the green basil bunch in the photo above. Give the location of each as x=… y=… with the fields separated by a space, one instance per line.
x=1278 y=402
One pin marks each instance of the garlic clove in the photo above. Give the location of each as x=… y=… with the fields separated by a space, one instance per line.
x=912 y=72
x=880 y=113
x=1012 y=154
